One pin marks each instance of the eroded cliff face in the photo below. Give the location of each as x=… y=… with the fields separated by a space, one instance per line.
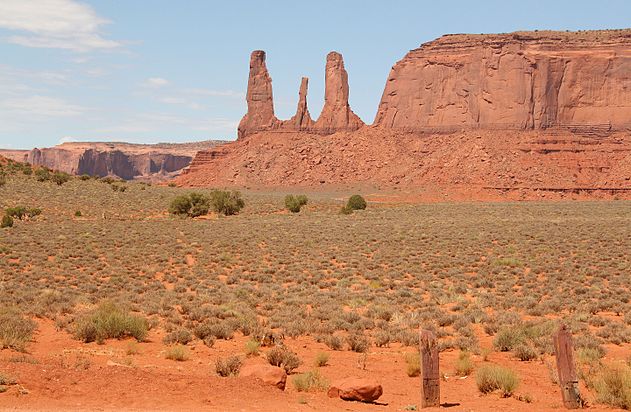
x=123 y=160
x=529 y=80
x=336 y=114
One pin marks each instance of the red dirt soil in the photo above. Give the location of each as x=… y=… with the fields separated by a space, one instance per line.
x=69 y=375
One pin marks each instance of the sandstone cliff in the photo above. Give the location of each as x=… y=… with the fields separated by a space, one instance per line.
x=123 y=160
x=524 y=80
x=336 y=114
x=507 y=116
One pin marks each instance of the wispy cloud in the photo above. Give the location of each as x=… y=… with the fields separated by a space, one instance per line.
x=156 y=82
x=60 y=24
x=41 y=106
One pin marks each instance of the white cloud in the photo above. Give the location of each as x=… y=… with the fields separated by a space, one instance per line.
x=156 y=82
x=67 y=139
x=61 y=24
x=40 y=106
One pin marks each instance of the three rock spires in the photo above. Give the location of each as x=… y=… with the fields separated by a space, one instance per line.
x=336 y=114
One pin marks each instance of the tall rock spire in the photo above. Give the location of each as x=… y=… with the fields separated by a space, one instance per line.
x=302 y=118
x=260 y=113
x=336 y=114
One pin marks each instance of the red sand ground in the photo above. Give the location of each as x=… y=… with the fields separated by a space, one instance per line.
x=70 y=375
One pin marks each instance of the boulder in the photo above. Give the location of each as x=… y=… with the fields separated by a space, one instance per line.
x=268 y=374
x=356 y=389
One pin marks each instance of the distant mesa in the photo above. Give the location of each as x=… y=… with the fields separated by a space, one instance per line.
x=336 y=114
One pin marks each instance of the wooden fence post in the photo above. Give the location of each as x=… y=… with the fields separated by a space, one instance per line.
x=430 y=379
x=568 y=380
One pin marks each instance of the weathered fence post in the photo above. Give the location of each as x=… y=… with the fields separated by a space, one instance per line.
x=430 y=379
x=568 y=380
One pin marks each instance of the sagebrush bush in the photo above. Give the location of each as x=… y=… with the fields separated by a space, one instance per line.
x=613 y=386
x=358 y=343
x=356 y=202
x=490 y=378
x=525 y=352
x=42 y=174
x=15 y=329
x=181 y=336
x=295 y=203
x=283 y=357
x=60 y=178
x=508 y=338
x=108 y=321
x=413 y=364
x=177 y=353
x=464 y=364
x=310 y=381
x=7 y=221
x=321 y=359
x=228 y=367
x=226 y=203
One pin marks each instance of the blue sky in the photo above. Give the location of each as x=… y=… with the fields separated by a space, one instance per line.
x=155 y=70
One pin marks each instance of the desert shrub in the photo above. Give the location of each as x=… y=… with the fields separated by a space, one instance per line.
x=613 y=386
x=464 y=364
x=177 y=353
x=302 y=199
x=356 y=202
x=78 y=213
x=15 y=330
x=310 y=381
x=119 y=187
x=490 y=378
x=181 y=336
x=7 y=221
x=42 y=174
x=334 y=342
x=18 y=212
x=358 y=343
x=321 y=359
x=222 y=330
x=252 y=347
x=226 y=203
x=194 y=204
x=508 y=338
x=228 y=367
x=60 y=178
x=345 y=210
x=292 y=204
x=382 y=338
x=107 y=321
x=33 y=212
x=85 y=177
x=525 y=352
x=282 y=357
x=413 y=364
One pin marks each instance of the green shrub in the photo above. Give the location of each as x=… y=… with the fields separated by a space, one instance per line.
x=31 y=213
x=109 y=321
x=18 y=212
x=85 y=177
x=345 y=210
x=464 y=364
x=282 y=357
x=310 y=381
x=7 y=221
x=321 y=359
x=613 y=386
x=302 y=199
x=177 y=353
x=508 y=338
x=78 y=213
x=413 y=364
x=490 y=378
x=42 y=174
x=228 y=367
x=15 y=330
x=252 y=347
x=525 y=352
x=356 y=202
x=292 y=204
x=334 y=342
x=60 y=178
x=226 y=203
x=193 y=205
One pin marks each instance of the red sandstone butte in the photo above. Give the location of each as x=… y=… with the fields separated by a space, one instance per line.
x=523 y=80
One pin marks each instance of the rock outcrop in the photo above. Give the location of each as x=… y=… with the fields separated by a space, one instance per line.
x=122 y=160
x=268 y=374
x=336 y=114
x=260 y=115
x=356 y=389
x=524 y=80
x=302 y=119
